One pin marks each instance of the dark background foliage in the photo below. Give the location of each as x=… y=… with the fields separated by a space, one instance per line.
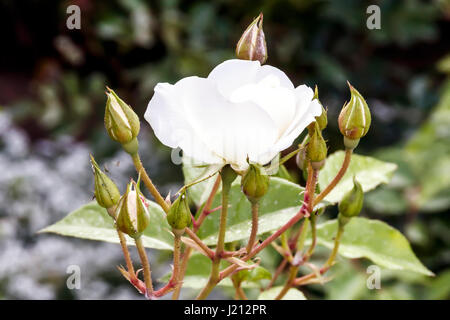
x=52 y=83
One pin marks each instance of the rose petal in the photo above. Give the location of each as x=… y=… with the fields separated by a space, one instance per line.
x=233 y=131
x=166 y=115
x=266 y=70
x=232 y=74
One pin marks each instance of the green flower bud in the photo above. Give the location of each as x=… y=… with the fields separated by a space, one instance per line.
x=228 y=175
x=255 y=183
x=343 y=220
x=252 y=45
x=354 y=119
x=316 y=150
x=179 y=215
x=321 y=120
x=352 y=202
x=106 y=192
x=121 y=122
x=132 y=215
x=301 y=160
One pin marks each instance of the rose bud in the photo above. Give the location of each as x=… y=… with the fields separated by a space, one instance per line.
x=252 y=45
x=228 y=175
x=179 y=215
x=300 y=159
x=132 y=215
x=121 y=122
x=106 y=192
x=352 y=202
x=255 y=183
x=321 y=120
x=316 y=150
x=354 y=119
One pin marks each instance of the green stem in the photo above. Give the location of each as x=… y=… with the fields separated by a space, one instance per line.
x=229 y=270
x=292 y=274
x=123 y=244
x=328 y=263
x=126 y=253
x=240 y=294
x=184 y=262
x=314 y=238
x=300 y=240
x=188 y=251
x=337 y=241
x=337 y=178
x=206 y=209
x=215 y=270
x=289 y=156
x=145 y=266
x=277 y=273
x=176 y=262
x=148 y=182
x=200 y=243
x=309 y=198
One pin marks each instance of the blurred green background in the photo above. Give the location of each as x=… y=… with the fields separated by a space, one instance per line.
x=52 y=83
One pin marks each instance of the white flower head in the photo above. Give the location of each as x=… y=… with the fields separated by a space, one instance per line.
x=241 y=111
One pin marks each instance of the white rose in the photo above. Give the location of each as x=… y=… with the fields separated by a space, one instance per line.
x=241 y=110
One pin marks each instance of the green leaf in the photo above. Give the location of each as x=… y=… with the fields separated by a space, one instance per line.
x=347 y=284
x=440 y=287
x=93 y=222
x=199 y=192
x=254 y=275
x=386 y=201
x=369 y=172
x=374 y=240
x=272 y=293
x=281 y=203
x=198 y=272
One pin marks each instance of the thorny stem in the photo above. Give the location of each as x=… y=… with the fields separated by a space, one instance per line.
x=328 y=263
x=206 y=209
x=173 y=282
x=240 y=294
x=201 y=244
x=309 y=199
x=148 y=182
x=215 y=270
x=184 y=262
x=277 y=273
x=292 y=274
x=254 y=232
x=176 y=261
x=145 y=267
x=298 y=241
x=123 y=244
x=229 y=270
x=314 y=239
x=337 y=178
x=126 y=253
